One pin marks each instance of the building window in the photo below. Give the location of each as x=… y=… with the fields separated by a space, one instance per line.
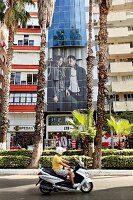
x=32 y=79
x=15 y=78
x=128 y=97
x=26 y=39
x=23 y=98
x=12 y=79
x=20 y=42
x=117 y=97
x=131 y=44
x=31 y=42
x=127 y=78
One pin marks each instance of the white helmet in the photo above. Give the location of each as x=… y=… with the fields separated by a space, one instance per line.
x=60 y=150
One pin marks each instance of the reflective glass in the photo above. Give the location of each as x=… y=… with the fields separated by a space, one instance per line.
x=69 y=25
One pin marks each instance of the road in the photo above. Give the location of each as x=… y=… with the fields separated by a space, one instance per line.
x=18 y=187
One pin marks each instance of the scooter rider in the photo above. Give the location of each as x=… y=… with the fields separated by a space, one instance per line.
x=58 y=163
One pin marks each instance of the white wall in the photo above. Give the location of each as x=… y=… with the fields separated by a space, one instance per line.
x=26 y=58
x=21 y=119
x=31 y=8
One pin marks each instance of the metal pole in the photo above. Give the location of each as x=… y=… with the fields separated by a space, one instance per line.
x=111 y=135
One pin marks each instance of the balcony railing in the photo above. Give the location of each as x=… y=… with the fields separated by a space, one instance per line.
x=121 y=67
x=122 y=86
x=123 y=106
x=119 y=32
x=120 y=49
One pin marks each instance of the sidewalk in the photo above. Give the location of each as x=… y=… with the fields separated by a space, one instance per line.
x=92 y=172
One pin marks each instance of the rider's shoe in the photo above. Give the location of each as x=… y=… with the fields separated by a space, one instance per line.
x=76 y=185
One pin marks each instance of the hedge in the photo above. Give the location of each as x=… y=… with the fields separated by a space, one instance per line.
x=46 y=161
x=112 y=158
x=117 y=162
x=124 y=152
x=107 y=152
x=14 y=161
x=19 y=152
x=44 y=153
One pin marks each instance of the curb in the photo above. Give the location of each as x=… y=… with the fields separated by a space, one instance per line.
x=92 y=172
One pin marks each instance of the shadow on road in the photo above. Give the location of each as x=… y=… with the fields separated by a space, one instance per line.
x=33 y=193
x=9 y=183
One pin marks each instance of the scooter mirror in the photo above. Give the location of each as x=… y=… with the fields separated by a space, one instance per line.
x=80 y=162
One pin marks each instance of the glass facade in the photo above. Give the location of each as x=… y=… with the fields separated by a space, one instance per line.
x=68 y=25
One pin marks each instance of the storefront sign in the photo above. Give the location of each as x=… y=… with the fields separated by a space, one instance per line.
x=24 y=128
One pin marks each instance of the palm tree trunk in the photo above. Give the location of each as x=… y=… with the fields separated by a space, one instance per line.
x=6 y=89
x=40 y=106
x=90 y=63
x=102 y=76
x=87 y=146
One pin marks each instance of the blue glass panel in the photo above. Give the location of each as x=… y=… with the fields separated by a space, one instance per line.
x=68 y=24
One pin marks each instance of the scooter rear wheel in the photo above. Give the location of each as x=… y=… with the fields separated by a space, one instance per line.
x=43 y=190
x=87 y=187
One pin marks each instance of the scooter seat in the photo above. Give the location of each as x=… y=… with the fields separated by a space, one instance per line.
x=51 y=172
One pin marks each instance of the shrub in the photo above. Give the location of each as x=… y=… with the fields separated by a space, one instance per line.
x=14 y=161
x=117 y=162
x=46 y=161
x=19 y=152
x=124 y=152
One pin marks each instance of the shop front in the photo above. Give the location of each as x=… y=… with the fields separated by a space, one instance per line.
x=22 y=137
x=58 y=133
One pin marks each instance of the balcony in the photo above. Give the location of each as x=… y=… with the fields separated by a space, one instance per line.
x=22 y=108
x=118 y=2
x=26 y=48
x=23 y=88
x=120 y=16
x=119 y=32
x=122 y=86
x=29 y=30
x=118 y=49
x=121 y=67
x=123 y=106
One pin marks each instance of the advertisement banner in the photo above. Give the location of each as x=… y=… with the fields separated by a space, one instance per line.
x=66 y=86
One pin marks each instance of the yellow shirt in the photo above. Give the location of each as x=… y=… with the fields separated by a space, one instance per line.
x=56 y=163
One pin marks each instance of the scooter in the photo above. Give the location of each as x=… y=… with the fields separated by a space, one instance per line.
x=49 y=181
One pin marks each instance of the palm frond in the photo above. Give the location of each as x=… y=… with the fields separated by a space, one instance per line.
x=45 y=11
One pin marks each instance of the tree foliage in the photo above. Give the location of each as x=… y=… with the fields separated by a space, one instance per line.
x=82 y=124
x=120 y=126
x=2 y=8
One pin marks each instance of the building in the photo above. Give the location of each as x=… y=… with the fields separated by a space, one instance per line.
x=120 y=50
x=23 y=82
x=120 y=41
x=67 y=36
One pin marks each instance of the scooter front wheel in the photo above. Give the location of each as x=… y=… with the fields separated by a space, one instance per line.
x=87 y=187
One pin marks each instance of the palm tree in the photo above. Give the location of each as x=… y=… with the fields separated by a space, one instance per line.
x=104 y=6
x=14 y=14
x=120 y=127
x=45 y=13
x=2 y=8
x=3 y=59
x=82 y=127
x=90 y=63
x=89 y=74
